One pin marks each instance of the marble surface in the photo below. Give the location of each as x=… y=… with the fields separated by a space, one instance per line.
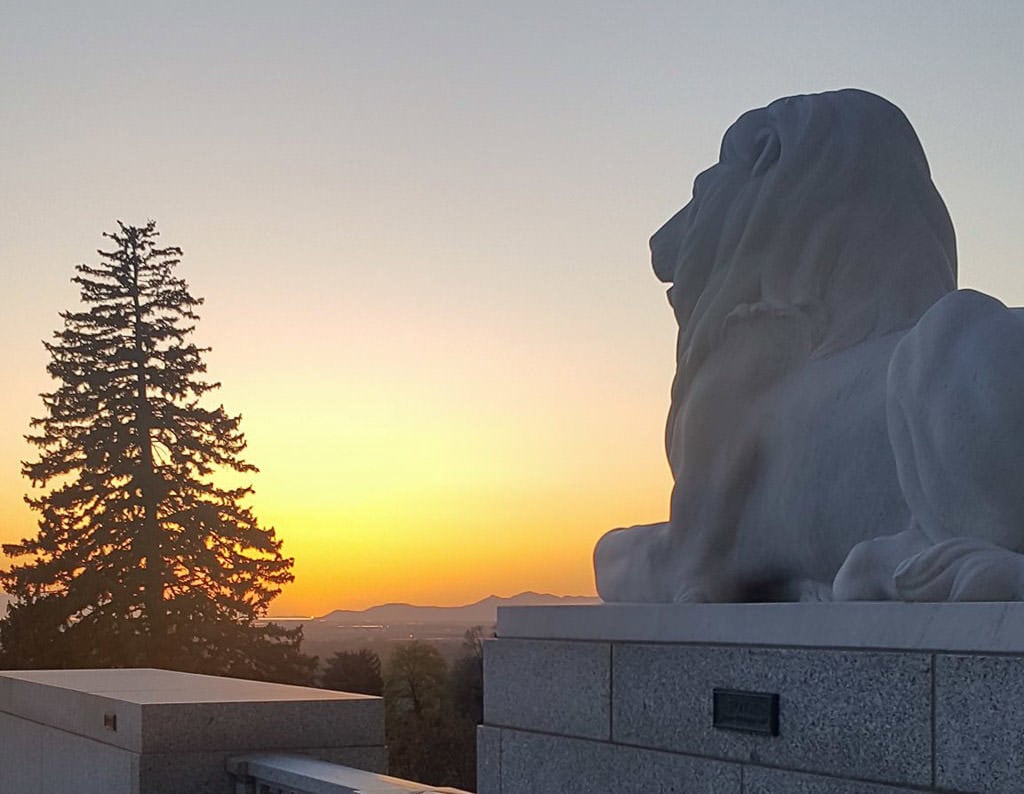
x=844 y=423
x=959 y=628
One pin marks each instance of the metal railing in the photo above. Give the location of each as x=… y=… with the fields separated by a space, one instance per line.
x=278 y=773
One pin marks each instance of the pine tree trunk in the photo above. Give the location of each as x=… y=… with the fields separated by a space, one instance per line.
x=149 y=541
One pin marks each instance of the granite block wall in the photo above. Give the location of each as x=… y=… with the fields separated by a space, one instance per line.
x=611 y=716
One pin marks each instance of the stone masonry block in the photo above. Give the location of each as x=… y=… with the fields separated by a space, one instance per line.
x=553 y=687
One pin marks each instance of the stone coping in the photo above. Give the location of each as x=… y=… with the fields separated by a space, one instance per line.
x=318 y=777
x=145 y=686
x=987 y=627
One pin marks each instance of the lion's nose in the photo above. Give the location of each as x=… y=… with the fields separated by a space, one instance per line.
x=665 y=246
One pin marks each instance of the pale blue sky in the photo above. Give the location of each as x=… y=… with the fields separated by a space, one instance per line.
x=449 y=200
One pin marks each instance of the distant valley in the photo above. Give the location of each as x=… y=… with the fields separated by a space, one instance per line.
x=379 y=627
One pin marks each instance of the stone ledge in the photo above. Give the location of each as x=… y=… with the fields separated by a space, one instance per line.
x=947 y=627
x=317 y=777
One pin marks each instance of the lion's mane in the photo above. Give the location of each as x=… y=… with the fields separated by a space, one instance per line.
x=823 y=204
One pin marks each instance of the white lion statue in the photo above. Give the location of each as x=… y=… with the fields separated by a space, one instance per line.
x=845 y=424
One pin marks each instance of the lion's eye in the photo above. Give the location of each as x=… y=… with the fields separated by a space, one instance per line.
x=767 y=148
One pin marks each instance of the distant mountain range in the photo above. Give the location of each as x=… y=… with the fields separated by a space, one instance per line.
x=483 y=612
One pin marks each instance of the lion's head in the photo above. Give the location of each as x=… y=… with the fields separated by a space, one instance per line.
x=821 y=203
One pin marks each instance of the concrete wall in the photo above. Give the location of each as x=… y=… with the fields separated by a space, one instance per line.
x=627 y=706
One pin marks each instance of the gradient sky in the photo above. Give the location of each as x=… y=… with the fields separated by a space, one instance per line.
x=421 y=229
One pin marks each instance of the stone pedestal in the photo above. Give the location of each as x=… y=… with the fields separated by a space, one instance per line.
x=161 y=732
x=873 y=698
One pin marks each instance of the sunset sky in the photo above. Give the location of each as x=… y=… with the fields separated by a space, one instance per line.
x=421 y=233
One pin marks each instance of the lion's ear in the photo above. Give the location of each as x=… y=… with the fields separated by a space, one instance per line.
x=767 y=148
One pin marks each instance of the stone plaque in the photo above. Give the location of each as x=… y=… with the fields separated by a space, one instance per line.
x=753 y=712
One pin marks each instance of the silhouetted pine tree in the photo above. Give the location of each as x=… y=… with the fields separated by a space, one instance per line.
x=141 y=559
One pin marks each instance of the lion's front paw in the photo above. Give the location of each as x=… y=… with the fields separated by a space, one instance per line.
x=961 y=569
x=867 y=573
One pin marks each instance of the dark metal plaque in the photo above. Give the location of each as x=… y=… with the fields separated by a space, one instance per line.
x=753 y=712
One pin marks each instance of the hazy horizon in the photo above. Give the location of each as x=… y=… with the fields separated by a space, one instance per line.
x=421 y=230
